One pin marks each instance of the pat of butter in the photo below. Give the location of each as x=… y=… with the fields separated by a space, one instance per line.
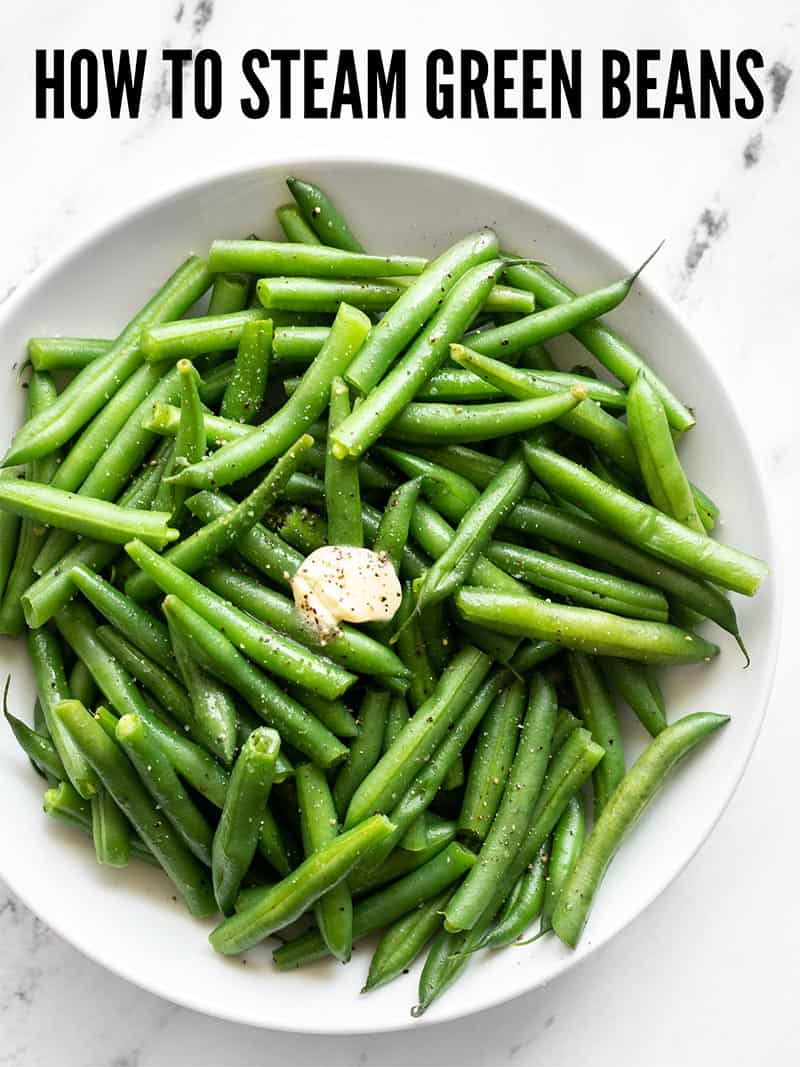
x=342 y=583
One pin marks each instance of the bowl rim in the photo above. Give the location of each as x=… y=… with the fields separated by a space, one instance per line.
x=449 y=1010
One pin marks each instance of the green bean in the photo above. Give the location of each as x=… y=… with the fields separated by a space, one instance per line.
x=54 y=588
x=395 y=521
x=110 y=832
x=40 y=750
x=295 y=227
x=394 y=772
x=322 y=216
x=565 y=724
x=491 y=762
x=262 y=548
x=331 y=713
x=411 y=648
x=448 y=492
x=121 y=781
x=446 y=959
x=667 y=485
x=588 y=420
x=400 y=863
x=476 y=467
x=513 y=816
x=568 y=838
x=365 y=751
x=245 y=391
x=643 y=525
x=141 y=628
x=26 y=537
x=62 y=803
x=275 y=258
x=191 y=762
x=159 y=683
x=531 y=653
x=706 y=509
x=192 y=338
x=434 y=628
x=616 y=355
x=190 y=439
x=453 y=567
x=162 y=783
x=426 y=783
x=524 y=903
x=303 y=530
x=164 y=419
x=537 y=358
x=379 y=910
x=582 y=585
x=98 y=381
x=216 y=654
x=47 y=660
x=639 y=688
x=320 y=825
x=289 y=899
x=350 y=649
x=211 y=541
x=426 y=424
x=298 y=344
x=538 y=519
x=624 y=807
x=404 y=940
x=582 y=629
x=239 y=458
x=392 y=393
x=95 y=519
x=600 y=718
x=237 y=834
x=9 y=532
x=342 y=489
x=65 y=353
x=412 y=563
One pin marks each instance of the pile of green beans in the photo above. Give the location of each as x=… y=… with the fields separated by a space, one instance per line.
x=443 y=778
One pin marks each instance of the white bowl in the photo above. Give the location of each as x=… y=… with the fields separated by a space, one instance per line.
x=128 y=921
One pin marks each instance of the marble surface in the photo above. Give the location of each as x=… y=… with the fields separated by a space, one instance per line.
x=701 y=978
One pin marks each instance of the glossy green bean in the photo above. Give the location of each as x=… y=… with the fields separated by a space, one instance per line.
x=216 y=654
x=54 y=588
x=395 y=771
x=404 y=940
x=295 y=227
x=239 y=458
x=396 y=719
x=490 y=764
x=588 y=420
x=190 y=439
x=426 y=783
x=162 y=783
x=454 y=566
x=384 y=907
x=276 y=258
x=399 y=863
x=237 y=833
x=122 y=782
x=624 y=807
x=342 y=488
x=582 y=585
x=411 y=649
x=40 y=750
x=298 y=344
x=212 y=540
x=110 y=831
x=616 y=355
x=365 y=750
x=159 y=683
x=643 y=525
x=429 y=424
x=395 y=522
x=351 y=649
x=449 y=493
x=413 y=562
x=165 y=418
x=289 y=899
x=331 y=713
x=65 y=353
x=522 y=906
x=568 y=838
x=600 y=718
x=322 y=216
x=96 y=519
x=667 y=485
x=582 y=629
x=50 y=676
x=244 y=393
x=101 y=378
x=388 y=398
x=639 y=688
x=531 y=653
x=319 y=826
x=141 y=628
x=192 y=338
x=514 y=814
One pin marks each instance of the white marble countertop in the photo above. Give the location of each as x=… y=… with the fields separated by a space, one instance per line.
x=709 y=975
